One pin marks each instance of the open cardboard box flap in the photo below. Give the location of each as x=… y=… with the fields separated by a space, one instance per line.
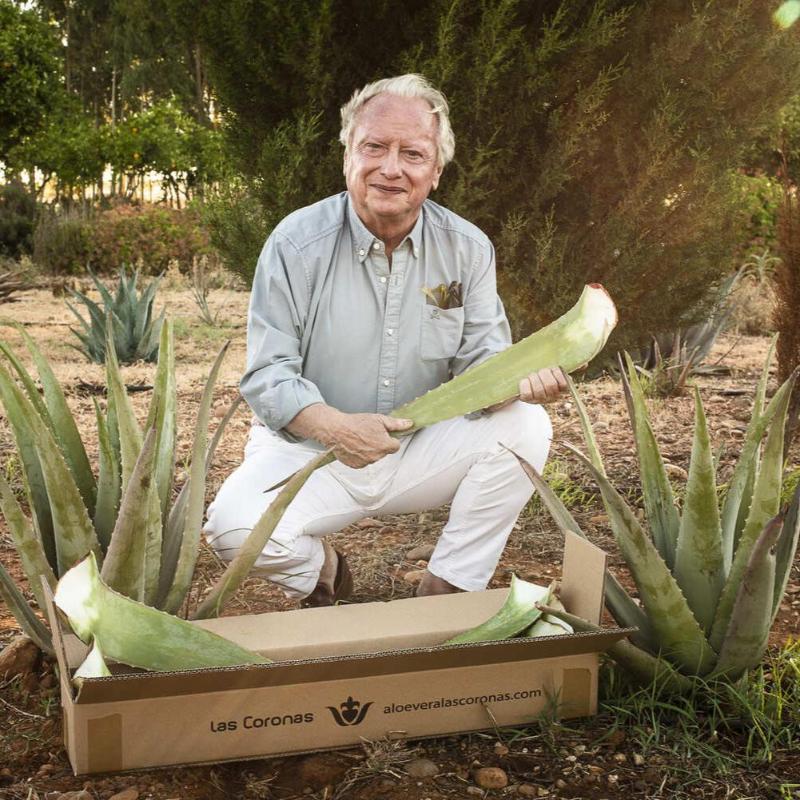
x=378 y=649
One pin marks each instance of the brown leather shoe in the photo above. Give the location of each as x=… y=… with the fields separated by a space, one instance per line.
x=432 y=584
x=335 y=581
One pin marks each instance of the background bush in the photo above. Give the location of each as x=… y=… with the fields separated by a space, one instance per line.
x=17 y=219
x=146 y=236
x=62 y=241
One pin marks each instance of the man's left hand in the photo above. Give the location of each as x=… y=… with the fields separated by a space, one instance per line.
x=543 y=386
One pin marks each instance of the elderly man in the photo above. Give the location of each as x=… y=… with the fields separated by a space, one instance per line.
x=345 y=324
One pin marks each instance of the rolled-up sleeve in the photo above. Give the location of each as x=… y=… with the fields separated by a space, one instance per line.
x=486 y=329
x=273 y=384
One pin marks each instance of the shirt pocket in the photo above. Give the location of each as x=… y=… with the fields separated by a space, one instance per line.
x=441 y=332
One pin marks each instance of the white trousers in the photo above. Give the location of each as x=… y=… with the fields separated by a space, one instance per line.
x=460 y=461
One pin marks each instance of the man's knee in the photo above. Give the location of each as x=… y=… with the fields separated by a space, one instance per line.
x=527 y=430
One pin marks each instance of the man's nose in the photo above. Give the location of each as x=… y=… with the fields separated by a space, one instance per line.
x=390 y=166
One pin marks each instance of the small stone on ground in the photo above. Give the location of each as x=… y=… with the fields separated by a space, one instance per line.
x=422 y=768
x=491 y=778
x=421 y=553
x=18 y=657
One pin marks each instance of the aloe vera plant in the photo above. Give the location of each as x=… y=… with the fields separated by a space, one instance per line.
x=710 y=578
x=146 y=544
x=136 y=332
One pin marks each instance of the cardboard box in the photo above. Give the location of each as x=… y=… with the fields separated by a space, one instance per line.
x=341 y=675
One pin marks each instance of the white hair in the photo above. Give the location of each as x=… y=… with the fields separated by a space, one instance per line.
x=409 y=85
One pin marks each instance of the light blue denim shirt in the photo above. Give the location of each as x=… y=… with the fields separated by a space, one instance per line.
x=330 y=322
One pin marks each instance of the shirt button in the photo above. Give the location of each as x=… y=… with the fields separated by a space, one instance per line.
x=390 y=331
x=387 y=382
x=376 y=246
x=382 y=279
x=361 y=251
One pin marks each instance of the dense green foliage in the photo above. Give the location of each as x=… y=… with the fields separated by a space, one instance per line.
x=17 y=220
x=29 y=72
x=596 y=141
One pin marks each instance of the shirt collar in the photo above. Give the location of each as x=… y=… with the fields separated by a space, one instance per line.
x=363 y=240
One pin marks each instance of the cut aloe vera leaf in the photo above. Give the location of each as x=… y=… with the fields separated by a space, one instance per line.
x=569 y=342
x=93 y=666
x=518 y=613
x=136 y=634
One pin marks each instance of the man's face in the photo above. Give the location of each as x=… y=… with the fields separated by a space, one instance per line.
x=391 y=162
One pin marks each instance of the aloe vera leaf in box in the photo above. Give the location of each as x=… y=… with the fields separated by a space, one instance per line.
x=569 y=342
x=136 y=634
x=518 y=613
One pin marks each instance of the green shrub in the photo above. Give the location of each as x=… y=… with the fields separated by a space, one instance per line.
x=760 y=198
x=17 y=220
x=148 y=236
x=62 y=241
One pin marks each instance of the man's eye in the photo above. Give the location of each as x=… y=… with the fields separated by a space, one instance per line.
x=372 y=148
x=414 y=156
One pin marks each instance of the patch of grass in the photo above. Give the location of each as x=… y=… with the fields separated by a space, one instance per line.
x=718 y=725
x=201 y=332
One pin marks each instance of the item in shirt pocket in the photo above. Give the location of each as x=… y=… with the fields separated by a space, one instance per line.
x=444 y=295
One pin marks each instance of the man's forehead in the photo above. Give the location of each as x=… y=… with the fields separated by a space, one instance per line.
x=394 y=111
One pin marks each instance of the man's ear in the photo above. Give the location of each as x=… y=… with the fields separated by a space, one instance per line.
x=345 y=161
x=435 y=182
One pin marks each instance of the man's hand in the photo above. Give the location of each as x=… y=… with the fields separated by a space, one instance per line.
x=543 y=386
x=356 y=439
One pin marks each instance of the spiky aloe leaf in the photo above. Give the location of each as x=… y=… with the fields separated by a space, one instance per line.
x=569 y=342
x=27 y=543
x=699 y=567
x=747 y=634
x=675 y=627
x=124 y=566
x=27 y=381
x=659 y=501
x=130 y=435
x=736 y=495
x=20 y=419
x=162 y=416
x=517 y=613
x=135 y=634
x=72 y=530
x=586 y=427
x=785 y=551
x=765 y=504
x=176 y=520
x=239 y=568
x=752 y=470
x=625 y=611
x=190 y=541
x=63 y=425
x=108 y=482
x=93 y=666
x=641 y=665
x=31 y=624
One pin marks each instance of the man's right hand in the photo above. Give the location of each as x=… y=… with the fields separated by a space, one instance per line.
x=356 y=439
